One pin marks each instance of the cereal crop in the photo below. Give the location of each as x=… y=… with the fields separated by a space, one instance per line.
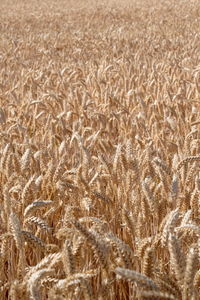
x=99 y=150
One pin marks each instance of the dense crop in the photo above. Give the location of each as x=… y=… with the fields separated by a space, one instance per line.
x=99 y=150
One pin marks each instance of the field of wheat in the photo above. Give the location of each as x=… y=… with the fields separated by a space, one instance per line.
x=99 y=150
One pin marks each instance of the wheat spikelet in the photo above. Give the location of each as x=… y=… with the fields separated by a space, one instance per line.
x=191 y=175
x=197 y=279
x=162 y=165
x=122 y=249
x=5 y=246
x=167 y=285
x=16 y=229
x=68 y=259
x=143 y=245
x=194 y=202
x=189 y=228
x=39 y=222
x=49 y=281
x=25 y=160
x=36 y=205
x=98 y=247
x=80 y=279
x=9 y=170
x=49 y=173
x=169 y=225
x=125 y=162
x=86 y=160
x=51 y=258
x=78 y=276
x=129 y=220
x=58 y=172
x=149 y=196
x=187 y=160
x=176 y=258
x=157 y=295
x=86 y=203
x=147 y=263
x=175 y=187
x=131 y=275
x=190 y=270
x=33 y=240
x=34 y=283
x=7 y=201
x=186 y=218
x=38 y=181
x=5 y=154
x=117 y=157
x=77 y=249
x=16 y=164
x=27 y=189
x=101 y=196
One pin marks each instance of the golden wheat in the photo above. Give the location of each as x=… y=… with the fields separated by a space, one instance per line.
x=99 y=150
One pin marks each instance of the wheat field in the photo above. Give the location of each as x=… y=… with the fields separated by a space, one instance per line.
x=99 y=150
